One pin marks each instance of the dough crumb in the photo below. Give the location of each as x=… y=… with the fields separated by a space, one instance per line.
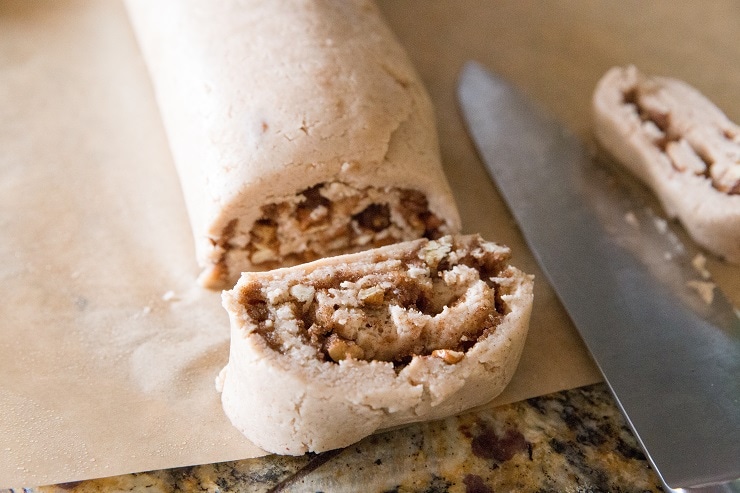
x=631 y=219
x=699 y=262
x=169 y=296
x=704 y=289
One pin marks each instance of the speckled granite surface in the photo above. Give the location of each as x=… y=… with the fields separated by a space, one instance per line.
x=571 y=441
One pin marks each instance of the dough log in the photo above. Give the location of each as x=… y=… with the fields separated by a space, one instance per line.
x=681 y=145
x=299 y=130
x=325 y=353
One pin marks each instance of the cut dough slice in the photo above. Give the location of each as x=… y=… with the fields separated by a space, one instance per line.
x=299 y=130
x=326 y=353
x=681 y=145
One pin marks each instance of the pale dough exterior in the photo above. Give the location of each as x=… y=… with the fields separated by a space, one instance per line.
x=263 y=100
x=326 y=353
x=681 y=145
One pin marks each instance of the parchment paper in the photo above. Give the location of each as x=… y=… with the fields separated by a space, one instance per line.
x=108 y=348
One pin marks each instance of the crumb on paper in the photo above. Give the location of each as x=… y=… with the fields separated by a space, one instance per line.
x=704 y=289
x=660 y=224
x=169 y=296
x=631 y=219
x=699 y=262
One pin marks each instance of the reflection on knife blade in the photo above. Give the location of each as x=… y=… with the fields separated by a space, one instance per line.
x=633 y=218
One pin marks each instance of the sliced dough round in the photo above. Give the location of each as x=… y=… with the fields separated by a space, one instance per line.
x=326 y=353
x=299 y=130
x=681 y=145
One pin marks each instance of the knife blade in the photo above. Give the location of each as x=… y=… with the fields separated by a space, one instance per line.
x=628 y=282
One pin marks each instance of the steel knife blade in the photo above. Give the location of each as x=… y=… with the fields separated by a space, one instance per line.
x=670 y=356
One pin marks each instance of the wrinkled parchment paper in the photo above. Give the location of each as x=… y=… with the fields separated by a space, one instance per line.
x=108 y=348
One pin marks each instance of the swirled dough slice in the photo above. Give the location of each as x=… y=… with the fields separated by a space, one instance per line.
x=325 y=353
x=299 y=130
x=681 y=145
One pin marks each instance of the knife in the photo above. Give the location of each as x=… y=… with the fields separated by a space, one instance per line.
x=670 y=357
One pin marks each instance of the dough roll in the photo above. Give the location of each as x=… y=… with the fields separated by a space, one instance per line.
x=681 y=146
x=328 y=352
x=299 y=130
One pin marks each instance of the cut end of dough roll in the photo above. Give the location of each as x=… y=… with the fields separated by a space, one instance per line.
x=326 y=353
x=327 y=219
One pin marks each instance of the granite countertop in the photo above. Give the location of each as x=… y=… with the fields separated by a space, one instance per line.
x=574 y=440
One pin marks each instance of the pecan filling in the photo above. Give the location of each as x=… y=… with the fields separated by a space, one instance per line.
x=438 y=301
x=690 y=145
x=332 y=218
